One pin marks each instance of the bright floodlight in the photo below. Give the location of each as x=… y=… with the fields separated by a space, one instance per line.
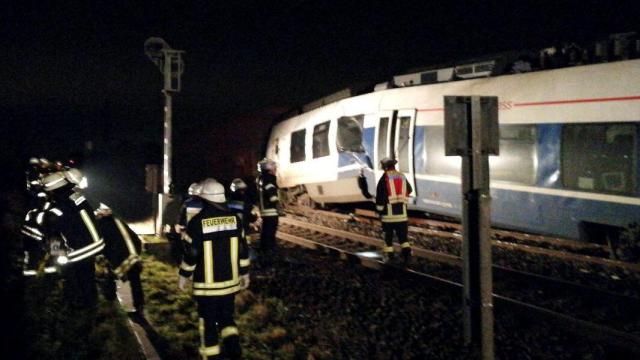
x=369 y=254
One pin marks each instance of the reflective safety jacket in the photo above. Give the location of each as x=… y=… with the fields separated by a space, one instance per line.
x=71 y=218
x=217 y=253
x=392 y=195
x=37 y=257
x=190 y=208
x=239 y=204
x=268 y=200
x=122 y=245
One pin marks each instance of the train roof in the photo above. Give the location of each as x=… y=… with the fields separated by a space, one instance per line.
x=615 y=47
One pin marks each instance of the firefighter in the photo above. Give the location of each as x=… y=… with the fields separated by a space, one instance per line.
x=190 y=208
x=122 y=249
x=240 y=203
x=217 y=258
x=269 y=203
x=39 y=255
x=391 y=203
x=69 y=219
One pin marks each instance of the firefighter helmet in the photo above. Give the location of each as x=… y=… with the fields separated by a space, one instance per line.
x=266 y=164
x=54 y=181
x=75 y=176
x=388 y=162
x=237 y=184
x=194 y=189
x=103 y=211
x=212 y=191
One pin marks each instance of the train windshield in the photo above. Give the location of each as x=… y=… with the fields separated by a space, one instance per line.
x=350 y=133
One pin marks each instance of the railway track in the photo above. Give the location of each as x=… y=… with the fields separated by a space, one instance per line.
x=559 y=262
x=594 y=313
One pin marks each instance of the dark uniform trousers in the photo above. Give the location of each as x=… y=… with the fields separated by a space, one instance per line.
x=399 y=228
x=268 y=235
x=216 y=316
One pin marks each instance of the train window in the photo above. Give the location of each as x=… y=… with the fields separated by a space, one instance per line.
x=518 y=155
x=350 y=133
x=600 y=157
x=403 y=144
x=321 y=140
x=383 y=129
x=437 y=163
x=297 y=145
x=516 y=163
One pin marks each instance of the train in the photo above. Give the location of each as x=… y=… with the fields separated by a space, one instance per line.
x=568 y=163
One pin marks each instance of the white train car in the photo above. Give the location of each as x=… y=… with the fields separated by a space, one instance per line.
x=568 y=161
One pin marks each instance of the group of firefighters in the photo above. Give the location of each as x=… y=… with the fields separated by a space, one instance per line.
x=63 y=233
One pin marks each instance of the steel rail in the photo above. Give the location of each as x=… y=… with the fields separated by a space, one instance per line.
x=629 y=342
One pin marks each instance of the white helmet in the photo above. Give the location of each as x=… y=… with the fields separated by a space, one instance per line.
x=194 y=189
x=237 y=184
x=54 y=181
x=266 y=165
x=102 y=211
x=212 y=191
x=75 y=176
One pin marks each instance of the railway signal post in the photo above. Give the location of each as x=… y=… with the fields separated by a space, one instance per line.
x=169 y=62
x=471 y=131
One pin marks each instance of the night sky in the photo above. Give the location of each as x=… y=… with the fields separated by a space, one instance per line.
x=76 y=71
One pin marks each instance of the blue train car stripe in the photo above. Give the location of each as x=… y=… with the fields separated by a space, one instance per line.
x=546 y=211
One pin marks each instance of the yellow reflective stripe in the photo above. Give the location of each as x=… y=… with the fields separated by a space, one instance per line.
x=186 y=267
x=201 y=331
x=221 y=292
x=273 y=198
x=216 y=285
x=394 y=218
x=245 y=262
x=208 y=261
x=269 y=212
x=392 y=187
x=126 y=264
x=89 y=224
x=234 y=258
x=209 y=351
x=269 y=186
x=186 y=237
x=380 y=207
x=405 y=245
x=126 y=236
x=229 y=331
x=387 y=249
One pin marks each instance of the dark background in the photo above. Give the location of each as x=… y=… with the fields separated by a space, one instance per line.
x=75 y=78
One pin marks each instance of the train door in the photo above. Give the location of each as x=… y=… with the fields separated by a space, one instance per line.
x=404 y=132
x=394 y=138
x=384 y=140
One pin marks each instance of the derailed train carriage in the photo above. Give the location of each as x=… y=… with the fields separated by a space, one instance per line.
x=568 y=163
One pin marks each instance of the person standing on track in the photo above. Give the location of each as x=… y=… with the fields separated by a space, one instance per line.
x=391 y=203
x=269 y=203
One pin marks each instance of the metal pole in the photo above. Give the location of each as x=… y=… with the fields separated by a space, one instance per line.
x=166 y=162
x=476 y=252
